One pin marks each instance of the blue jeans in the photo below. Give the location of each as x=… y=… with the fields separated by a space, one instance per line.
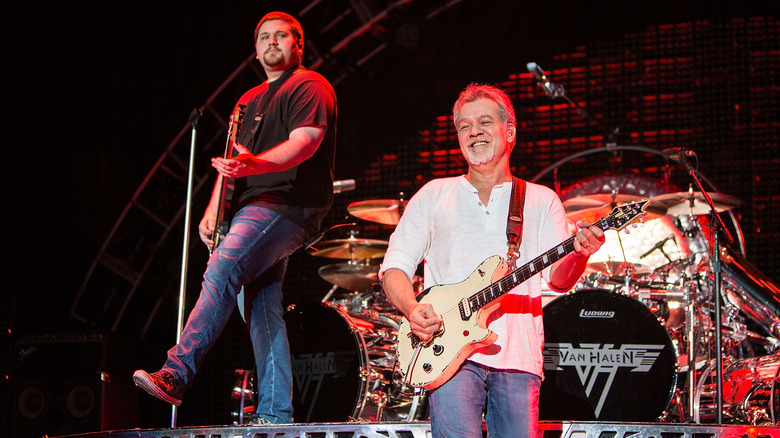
x=509 y=399
x=247 y=268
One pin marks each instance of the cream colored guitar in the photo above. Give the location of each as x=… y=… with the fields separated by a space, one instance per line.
x=464 y=308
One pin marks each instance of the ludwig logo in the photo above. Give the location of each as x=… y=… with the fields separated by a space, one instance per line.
x=606 y=314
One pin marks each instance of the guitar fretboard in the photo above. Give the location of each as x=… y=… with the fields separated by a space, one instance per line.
x=508 y=282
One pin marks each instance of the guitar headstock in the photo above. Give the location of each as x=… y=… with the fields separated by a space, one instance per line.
x=234 y=123
x=623 y=215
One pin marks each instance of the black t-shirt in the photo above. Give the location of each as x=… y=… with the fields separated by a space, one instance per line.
x=304 y=193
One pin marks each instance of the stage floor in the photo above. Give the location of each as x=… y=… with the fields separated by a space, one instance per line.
x=422 y=429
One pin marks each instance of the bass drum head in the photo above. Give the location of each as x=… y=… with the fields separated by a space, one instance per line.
x=606 y=357
x=327 y=356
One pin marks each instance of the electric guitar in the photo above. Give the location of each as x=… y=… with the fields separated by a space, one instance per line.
x=224 y=185
x=464 y=308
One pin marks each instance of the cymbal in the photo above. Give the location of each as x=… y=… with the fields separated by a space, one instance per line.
x=594 y=207
x=351 y=248
x=350 y=276
x=614 y=267
x=682 y=203
x=384 y=211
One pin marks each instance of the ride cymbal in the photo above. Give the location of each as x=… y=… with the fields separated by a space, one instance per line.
x=383 y=211
x=351 y=249
x=683 y=203
x=350 y=276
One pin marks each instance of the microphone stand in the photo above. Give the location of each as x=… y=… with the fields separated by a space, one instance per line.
x=555 y=91
x=194 y=118
x=715 y=257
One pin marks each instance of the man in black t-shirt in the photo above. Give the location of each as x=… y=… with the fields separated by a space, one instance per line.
x=283 y=174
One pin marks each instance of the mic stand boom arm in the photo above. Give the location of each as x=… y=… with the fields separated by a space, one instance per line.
x=555 y=91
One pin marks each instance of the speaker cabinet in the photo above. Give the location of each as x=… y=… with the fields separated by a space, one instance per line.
x=61 y=386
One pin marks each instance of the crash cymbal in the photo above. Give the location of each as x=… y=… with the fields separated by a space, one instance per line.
x=350 y=276
x=618 y=268
x=351 y=249
x=383 y=211
x=682 y=203
x=594 y=207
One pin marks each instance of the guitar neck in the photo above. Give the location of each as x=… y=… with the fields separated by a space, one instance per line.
x=521 y=274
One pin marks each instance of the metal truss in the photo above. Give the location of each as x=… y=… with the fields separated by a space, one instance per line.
x=139 y=264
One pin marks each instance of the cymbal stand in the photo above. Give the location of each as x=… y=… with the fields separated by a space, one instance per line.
x=327 y=296
x=690 y=333
x=715 y=259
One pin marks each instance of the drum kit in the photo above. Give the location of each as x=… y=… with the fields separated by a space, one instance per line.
x=343 y=349
x=633 y=341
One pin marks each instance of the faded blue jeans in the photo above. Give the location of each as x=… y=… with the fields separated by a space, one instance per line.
x=247 y=269
x=509 y=399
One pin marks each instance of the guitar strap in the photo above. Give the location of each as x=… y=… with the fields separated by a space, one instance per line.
x=514 y=221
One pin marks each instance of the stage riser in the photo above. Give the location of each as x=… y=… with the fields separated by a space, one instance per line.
x=423 y=430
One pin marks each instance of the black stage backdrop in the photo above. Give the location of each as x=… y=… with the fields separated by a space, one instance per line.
x=94 y=92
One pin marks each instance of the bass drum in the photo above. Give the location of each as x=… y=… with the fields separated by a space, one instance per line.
x=343 y=367
x=606 y=358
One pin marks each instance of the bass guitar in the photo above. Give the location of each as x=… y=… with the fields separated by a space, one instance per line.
x=464 y=308
x=225 y=185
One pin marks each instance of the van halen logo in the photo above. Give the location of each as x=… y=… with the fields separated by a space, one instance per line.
x=592 y=360
x=314 y=373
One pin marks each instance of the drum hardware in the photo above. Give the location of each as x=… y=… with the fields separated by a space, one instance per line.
x=751 y=391
x=242 y=396
x=383 y=211
x=659 y=246
x=751 y=291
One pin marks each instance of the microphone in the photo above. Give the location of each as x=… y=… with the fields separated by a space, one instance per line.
x=343 y=185
x=550 y=89
x=677 y=154
x=660 y=245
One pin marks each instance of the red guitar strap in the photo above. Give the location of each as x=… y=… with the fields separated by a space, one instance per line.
x=514 y=221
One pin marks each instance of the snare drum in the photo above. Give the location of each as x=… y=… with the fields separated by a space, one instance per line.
x=343 y=367
x=606 y=357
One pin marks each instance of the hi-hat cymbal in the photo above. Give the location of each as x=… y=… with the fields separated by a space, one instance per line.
x=383 y=211
x=350 y=276
x=618 y=268
x=351 y=249
x=682 y=203
x=594 y=207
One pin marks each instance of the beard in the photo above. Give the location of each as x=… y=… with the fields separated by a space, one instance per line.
x=482 y=156
x=273 y=58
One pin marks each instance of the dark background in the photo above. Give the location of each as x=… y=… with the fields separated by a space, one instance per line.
x=93 y=92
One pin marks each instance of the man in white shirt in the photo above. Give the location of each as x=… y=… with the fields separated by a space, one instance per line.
x=453 y=225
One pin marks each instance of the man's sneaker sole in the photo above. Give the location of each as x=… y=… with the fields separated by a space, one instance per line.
x=144 y=381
